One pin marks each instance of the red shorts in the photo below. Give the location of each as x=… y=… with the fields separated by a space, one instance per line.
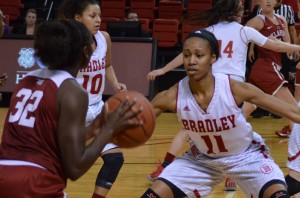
x=266 y=76
x=29 y=181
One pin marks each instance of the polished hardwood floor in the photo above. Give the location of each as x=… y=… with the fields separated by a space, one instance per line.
x=139 y=162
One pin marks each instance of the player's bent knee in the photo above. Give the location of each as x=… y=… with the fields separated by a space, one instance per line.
x=175 y=190
x=278 y=193
x=113 y=163
x=293 y=185
x=150 y=193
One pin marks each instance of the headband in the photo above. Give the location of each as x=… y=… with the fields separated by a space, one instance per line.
x=210 y=37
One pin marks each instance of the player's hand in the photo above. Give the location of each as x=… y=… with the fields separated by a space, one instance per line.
x=295 y=56
x=298 y=65
x=153 y=74
x=122 y=117
x=3 y=79
x=290 y=55
x=119 y=87
x=251 y=56
x=292 y=76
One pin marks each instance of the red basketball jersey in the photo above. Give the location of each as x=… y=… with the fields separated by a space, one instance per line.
x=271 y=30
x=33 y=116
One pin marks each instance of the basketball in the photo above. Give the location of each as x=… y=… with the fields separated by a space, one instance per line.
x=133 y=137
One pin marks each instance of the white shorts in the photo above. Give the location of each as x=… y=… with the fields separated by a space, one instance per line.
x=93 y=111
x=197 y=174
x=294 y=149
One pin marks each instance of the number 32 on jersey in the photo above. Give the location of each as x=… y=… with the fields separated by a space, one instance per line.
x=28 y=102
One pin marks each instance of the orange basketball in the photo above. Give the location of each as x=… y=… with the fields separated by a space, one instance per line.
x=133 y=137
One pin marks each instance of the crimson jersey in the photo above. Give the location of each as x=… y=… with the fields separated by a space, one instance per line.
x=221 y=129
x=271 y=30
x=32 y=116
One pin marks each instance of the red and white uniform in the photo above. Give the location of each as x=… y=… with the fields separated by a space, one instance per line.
x=222 y=145
x=34 y=165
x=233 y=40
x=214 y=129
x=92 y=79
x=294 y=148
x=265 y=72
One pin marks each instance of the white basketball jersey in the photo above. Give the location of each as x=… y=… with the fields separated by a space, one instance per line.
x=219 y=131
x=233 y=40
x=92 y=78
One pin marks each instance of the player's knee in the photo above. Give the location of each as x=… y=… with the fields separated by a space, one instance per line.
x=293 y=185
x=175 y=190
x=280 y=193
x=150 y=193
x=113 y=163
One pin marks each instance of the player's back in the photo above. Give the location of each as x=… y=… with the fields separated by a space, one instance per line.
x=233 y=48
x=33 y=115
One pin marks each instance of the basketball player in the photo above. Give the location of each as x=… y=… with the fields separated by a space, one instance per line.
x=44 y=136
x=265 y=72
x=232 y=61
x=288 y=60
x=93 y=80
x=209 y=108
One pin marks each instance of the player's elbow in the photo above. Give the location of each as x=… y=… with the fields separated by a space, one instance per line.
x=73 y=174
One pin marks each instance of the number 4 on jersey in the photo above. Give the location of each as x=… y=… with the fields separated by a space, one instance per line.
x=227 y=50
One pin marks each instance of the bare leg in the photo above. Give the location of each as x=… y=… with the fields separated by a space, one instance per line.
x=285 y=95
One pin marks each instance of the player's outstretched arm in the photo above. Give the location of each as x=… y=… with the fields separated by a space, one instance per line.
x=271 y=43
x=176 y=62
x=250 y=93
x=165 y=101
x=280 y=46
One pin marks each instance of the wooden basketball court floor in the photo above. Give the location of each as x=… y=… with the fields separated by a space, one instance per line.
x=139 y=162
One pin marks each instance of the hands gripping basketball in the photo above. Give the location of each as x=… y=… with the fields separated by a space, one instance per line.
x=137 y=118
x=122 y=117
x=127 y=118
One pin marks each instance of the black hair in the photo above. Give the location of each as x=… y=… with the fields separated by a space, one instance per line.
x=210 y=37
x=62 y=44
x=69 y=8
x=222 y=10
x=129 y=11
